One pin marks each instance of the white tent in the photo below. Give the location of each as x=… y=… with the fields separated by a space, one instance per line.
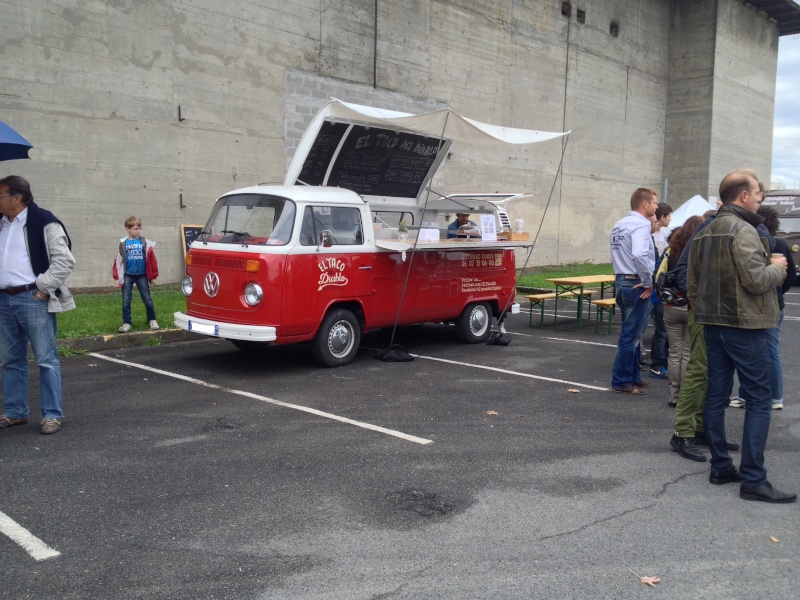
x=696 y=205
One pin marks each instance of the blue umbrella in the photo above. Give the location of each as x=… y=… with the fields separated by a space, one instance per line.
x=12 y=144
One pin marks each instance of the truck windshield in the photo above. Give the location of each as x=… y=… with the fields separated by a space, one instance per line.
x=250 y=219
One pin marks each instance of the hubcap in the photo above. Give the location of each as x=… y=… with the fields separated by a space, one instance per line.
x=340 y=339
x=478 y=321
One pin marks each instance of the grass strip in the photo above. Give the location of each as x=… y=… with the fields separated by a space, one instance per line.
x=101 y=313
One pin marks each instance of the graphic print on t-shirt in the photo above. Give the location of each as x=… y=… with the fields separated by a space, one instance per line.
x=134 y=257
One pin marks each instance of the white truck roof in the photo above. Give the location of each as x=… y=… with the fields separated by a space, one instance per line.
x=303 y=193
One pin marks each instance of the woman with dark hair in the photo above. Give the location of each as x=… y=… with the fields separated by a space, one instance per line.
x=676 y=318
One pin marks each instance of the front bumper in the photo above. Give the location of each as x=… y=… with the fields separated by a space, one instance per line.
x=230 y=331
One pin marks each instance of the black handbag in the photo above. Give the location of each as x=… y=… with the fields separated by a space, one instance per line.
x=667 y=289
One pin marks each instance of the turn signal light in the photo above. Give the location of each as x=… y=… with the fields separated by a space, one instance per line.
x=188 y=260
x=252 y=266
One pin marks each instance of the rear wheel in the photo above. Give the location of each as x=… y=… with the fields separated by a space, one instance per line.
x=474 y=324
x=338 y=339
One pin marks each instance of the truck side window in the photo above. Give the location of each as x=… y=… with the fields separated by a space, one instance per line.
x=344 y=223
x=307 y=237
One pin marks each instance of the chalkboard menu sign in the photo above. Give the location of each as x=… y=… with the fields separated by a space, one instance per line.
x=372 y=161
x=189 y=234
x=318 y=159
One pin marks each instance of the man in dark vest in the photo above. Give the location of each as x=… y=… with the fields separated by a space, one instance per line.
x=35 y=261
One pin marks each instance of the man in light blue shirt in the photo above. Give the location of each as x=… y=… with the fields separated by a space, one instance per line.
x=632 y=257
x=461 y=220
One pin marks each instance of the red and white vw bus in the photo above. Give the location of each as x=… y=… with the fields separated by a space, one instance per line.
x=346 y=246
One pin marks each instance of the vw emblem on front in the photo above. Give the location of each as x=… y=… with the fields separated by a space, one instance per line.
x=211 y=284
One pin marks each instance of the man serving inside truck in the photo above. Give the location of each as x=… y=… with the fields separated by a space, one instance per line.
x=461 y=220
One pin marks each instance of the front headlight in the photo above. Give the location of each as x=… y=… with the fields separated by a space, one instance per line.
x=253 y=294
x=186 y=286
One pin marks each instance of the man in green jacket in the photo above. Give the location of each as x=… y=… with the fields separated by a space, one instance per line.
x=732 y=284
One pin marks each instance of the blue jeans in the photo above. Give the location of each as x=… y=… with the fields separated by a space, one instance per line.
x=659 y=346
x=635 y=313
x=776 y=366
x=746 y=352
x=144 y=291
x=776 y=370
x=25 y=319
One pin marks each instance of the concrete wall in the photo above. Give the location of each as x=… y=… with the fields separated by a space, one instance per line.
x=746 y=61
x=723 y=61
x=96 y=86
x=689 y=99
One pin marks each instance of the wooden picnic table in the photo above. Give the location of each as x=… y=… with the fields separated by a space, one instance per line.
x=577 y=284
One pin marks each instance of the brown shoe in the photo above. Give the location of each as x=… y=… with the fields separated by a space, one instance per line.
x=630 y=389
x=6 y=421
x=642 y=384
x=50 y=426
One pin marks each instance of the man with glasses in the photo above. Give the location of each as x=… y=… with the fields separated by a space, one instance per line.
x=633 y=260
x=732 y=282
x=35 y=260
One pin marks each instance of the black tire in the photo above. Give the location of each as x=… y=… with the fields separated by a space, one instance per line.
x=248 y=346
x=337 y=340
x=474 y=324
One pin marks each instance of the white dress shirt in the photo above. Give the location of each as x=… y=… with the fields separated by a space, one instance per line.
x=632 y=250
x=15 y=264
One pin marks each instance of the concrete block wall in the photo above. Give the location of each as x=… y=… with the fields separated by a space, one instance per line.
x=96 y=86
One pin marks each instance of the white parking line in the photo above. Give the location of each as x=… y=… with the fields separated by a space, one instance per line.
x=507 y=372
x=313 y=411
x=581 y=342
x=29 y=542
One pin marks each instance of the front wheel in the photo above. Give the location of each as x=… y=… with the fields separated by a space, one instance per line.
x=474 y=324
x=338 y=339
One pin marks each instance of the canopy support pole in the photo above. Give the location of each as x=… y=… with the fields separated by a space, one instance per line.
x=536 y=237
x=416 y=241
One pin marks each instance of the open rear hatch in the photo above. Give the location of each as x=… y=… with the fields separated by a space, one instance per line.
x=388 y=157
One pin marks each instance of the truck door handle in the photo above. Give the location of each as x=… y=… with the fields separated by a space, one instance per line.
x=367 y=268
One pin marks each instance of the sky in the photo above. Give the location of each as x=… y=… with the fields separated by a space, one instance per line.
x=786 y=135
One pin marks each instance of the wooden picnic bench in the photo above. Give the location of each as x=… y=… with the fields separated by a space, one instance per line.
x=603 y=306
x=540 y=299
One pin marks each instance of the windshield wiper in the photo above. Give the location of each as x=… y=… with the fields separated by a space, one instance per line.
x=240 y=236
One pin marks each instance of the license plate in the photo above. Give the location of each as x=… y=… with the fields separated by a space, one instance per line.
x=207 y=329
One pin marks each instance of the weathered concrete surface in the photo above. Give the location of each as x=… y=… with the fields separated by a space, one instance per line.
x=720 y=106
x=97 y=86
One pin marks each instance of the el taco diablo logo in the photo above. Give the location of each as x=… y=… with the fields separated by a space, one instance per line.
x=331 y=273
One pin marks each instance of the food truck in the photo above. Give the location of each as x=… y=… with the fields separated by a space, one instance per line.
x=355 y=240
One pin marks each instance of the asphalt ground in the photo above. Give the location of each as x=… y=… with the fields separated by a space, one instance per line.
x=193 y=470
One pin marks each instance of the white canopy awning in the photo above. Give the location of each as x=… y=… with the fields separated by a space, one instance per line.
x=386 y=155
x=439 y=123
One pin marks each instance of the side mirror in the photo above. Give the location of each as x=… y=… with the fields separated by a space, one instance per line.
x=326 y=238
